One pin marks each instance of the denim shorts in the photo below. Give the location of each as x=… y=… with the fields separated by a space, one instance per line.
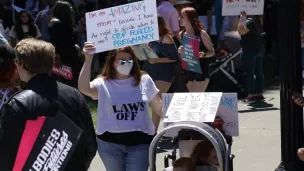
x=117 y=157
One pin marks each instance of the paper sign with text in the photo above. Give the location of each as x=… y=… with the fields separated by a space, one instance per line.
x=124 y=25
x=144 y=52
x=234 y=7
x=227 y=110
x=63 y=71
x=190 y=56
x=198 y=107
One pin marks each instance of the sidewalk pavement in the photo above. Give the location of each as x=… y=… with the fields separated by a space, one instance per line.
x=258 y=146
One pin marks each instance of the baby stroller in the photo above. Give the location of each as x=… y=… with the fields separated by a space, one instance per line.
x=221 y=143
x=230 y=61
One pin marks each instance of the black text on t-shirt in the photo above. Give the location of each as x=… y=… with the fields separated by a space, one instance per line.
x=128 y=111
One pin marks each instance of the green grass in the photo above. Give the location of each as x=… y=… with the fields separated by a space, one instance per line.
x=93 y=108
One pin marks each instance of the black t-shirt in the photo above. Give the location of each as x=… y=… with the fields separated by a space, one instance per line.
x=252 y=42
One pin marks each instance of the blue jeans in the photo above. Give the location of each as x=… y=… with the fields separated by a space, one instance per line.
x=116 y=157
x=253 y=66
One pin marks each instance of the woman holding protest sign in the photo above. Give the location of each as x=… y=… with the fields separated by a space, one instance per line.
x=124 y=126
x=193 y=29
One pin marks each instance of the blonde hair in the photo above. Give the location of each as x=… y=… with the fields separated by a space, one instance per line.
x=37 y=56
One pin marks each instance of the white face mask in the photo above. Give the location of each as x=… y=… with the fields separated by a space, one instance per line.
x=125 y=68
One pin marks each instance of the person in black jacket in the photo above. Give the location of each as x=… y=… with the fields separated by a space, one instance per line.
x=43 y=96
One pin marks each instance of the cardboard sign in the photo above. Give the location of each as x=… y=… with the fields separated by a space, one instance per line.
x=55 y=145
x=63 y=71
x=144 y=52
x=198 y=107
x=234 y=7
x=204 y=22
x=124 y=25
x=190 y=56
x=227 y=110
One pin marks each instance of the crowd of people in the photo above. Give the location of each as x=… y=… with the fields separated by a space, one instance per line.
x=124 y=92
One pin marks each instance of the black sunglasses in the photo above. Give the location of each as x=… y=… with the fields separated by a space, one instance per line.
x=122 y=62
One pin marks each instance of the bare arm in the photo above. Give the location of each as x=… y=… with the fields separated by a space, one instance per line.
x=242 y=28
x=84 y=84
x=157 y=110
x=208 y=44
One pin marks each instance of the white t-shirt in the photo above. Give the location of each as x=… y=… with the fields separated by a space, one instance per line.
x=25 y=29
x=123 y=107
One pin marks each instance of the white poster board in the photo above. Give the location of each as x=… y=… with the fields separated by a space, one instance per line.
x=124 y=25
x=204 y=21
x=199 y=107
x=234 y=7
x=227 y=110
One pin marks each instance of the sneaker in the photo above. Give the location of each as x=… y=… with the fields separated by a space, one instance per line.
x=249 y=100
x=259 y=98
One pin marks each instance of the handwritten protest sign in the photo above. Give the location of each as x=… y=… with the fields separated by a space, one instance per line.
x=190 y=55
x=124 y=25
x=227 y=110
x=234 y=7
x=144 y=52
x=199 y=107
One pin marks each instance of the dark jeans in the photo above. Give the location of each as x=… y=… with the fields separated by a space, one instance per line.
x=253 y=66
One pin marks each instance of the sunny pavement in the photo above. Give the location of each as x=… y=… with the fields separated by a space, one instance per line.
x=258 y=146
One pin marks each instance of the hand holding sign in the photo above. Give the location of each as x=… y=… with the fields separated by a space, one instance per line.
x=123 y=25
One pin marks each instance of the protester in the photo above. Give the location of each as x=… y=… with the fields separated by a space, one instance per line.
x=183 y=164
x=250 y=30
x=43 y=96
x=170 y=15
x=24 y=28
x=63 y=37
x=43 y=19
x=204 y=155
x=124 y=127
x=162 y=70
x=7 y=73
x=196 y=82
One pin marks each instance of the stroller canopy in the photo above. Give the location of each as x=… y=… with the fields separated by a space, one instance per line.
x=213 y=135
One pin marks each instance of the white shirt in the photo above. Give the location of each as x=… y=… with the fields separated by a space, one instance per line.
x=123 y=107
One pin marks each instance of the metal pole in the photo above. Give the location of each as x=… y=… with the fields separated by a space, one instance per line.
x=289 y=49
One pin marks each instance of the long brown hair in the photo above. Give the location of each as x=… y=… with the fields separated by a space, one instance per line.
x=201 y=150
x=192 y=16
x=162 y=27
x=184 y=162
x=109 y=72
